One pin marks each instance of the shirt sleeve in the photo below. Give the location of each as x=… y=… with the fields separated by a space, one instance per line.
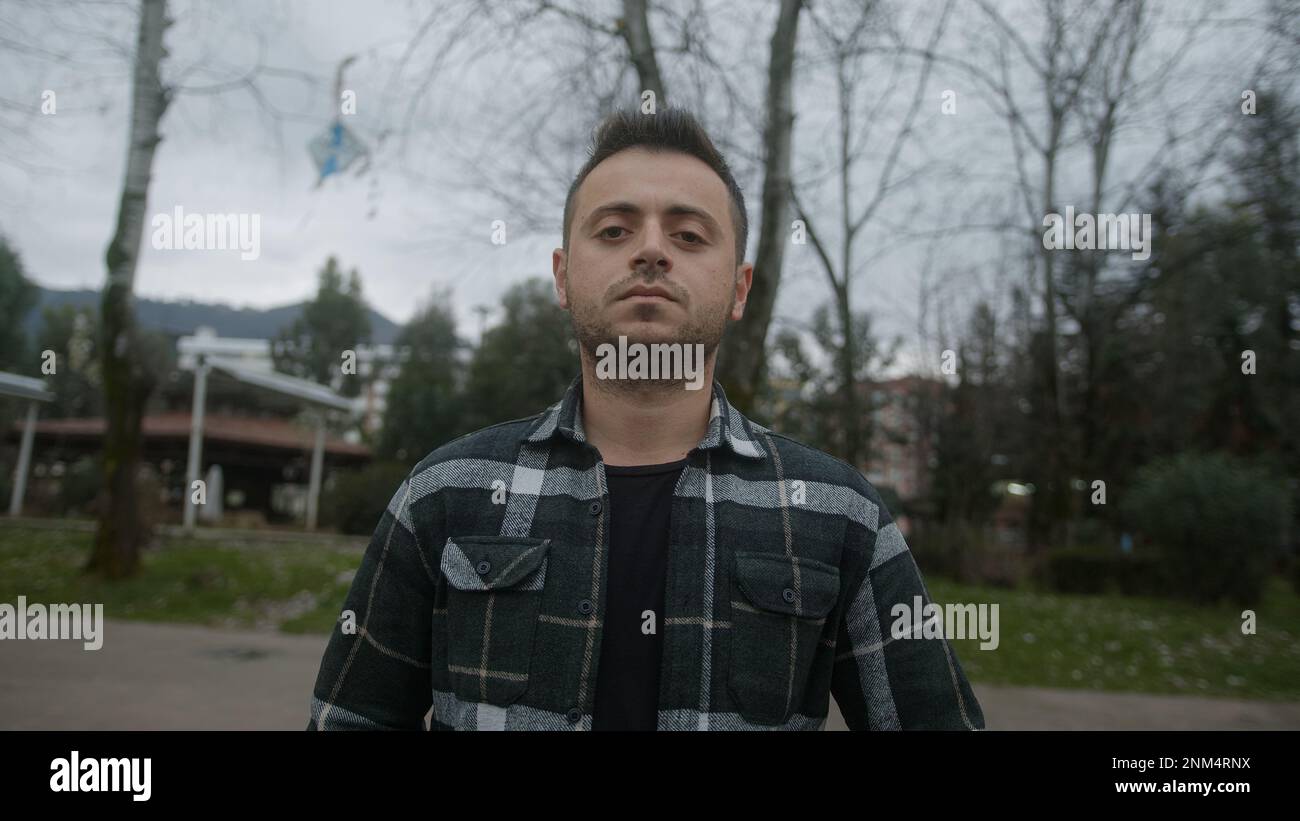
x=885 y=683
x=375 y=674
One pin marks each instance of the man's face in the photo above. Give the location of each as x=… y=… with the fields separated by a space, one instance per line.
x=651 y=253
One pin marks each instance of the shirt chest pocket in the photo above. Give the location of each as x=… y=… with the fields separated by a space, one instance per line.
x=779 y=606
x=494 y=593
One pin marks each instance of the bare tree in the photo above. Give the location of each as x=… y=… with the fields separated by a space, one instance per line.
x=847 y=47
x=1110 y=89
x=1120 y=83
x=126 y=384
x=1069 y=79
x=635 y=28
x=1039 y=120
x=126 y=377
x=742 y=362
x=521 y=179
x=632 y=27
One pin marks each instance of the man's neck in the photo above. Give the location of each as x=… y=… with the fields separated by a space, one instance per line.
x=644 y=424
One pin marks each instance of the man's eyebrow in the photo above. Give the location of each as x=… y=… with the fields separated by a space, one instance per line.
x=674 y=210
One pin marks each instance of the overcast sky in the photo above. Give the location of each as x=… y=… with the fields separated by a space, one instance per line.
x=220 y=154
x=413 y=224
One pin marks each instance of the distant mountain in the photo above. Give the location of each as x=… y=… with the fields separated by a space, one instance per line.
x=181 y=318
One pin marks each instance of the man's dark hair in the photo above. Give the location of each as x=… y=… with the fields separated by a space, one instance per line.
x=669 y=129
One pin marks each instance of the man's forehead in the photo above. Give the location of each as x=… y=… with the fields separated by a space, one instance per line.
x=625 y=177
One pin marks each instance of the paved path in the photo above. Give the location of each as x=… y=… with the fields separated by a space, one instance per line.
x=160 y=676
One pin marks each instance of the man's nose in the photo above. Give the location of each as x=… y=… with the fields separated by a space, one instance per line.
x=651 y=258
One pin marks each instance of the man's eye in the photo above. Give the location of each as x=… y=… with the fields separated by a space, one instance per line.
x=692 y=237
x=611 y=228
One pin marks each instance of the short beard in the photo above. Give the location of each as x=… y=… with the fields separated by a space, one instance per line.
x=593 y=330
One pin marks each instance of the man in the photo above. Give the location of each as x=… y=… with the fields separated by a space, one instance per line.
x=639 y=555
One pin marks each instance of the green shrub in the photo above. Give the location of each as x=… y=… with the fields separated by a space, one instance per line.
x=1095 y=571
x=968 y=553
x=356 y=500
x=81 y=486
x=1090 y=531
x=937 y=547
x=1219 y=522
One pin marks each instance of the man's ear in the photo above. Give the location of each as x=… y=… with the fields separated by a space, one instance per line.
x=744 y=279
x=560 y=271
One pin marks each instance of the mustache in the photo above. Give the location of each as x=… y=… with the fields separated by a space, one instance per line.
x=658 y=280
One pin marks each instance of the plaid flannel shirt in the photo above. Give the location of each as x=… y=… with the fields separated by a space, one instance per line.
x=481 y=593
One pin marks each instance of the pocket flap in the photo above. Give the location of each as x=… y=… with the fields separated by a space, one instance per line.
x=768 y=581
x=479 y=563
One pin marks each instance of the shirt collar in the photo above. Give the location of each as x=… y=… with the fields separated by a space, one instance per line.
x=728 y=427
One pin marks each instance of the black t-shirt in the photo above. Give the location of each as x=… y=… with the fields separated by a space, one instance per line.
x=627 y=680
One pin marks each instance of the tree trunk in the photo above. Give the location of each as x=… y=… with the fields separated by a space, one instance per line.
x=120 y=534
x=852 y=421
x=1057 y=492
x=742 y=360
x=641 y=50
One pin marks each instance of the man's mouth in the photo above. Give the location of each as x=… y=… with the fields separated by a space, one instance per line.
x=648 y=293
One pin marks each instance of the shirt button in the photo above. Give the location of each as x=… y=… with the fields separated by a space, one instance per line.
x=483 y=568
x=788 y=595
x=594 y=508
x=585 y=607
x=574 y=715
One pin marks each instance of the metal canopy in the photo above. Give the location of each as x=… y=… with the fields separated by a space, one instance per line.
x=309 y=392
x=24 y=387
x=280 y=383
x=33 y=390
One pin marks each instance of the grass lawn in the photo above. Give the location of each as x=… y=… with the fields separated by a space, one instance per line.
x=297 y=587
x=1046 y=639
x=1135 y=644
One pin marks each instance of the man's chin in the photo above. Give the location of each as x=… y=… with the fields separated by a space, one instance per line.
x=647 y=334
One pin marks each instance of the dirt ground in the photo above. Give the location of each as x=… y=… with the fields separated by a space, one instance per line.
x=156 y=676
